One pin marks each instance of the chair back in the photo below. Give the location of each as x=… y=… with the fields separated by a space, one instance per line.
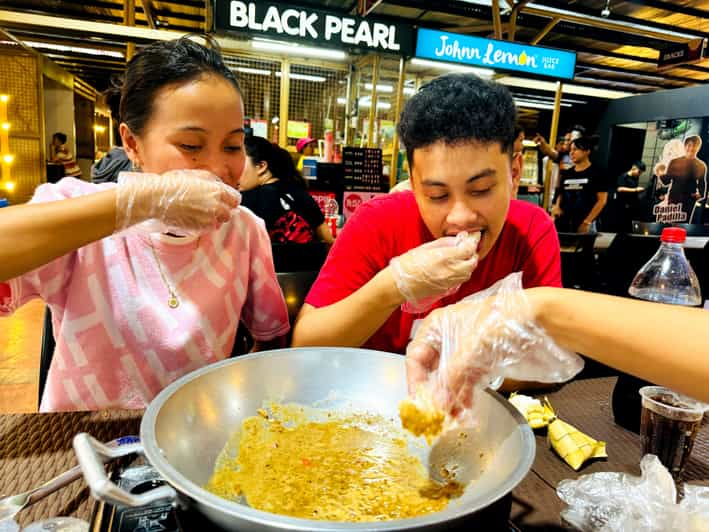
x=295 y=287
x=46 y=352
x=299 y=257
x=578 y=262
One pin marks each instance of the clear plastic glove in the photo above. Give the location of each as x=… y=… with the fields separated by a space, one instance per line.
x=434 y=270
x=185 y=201
x=618 y=502
x=488 y=336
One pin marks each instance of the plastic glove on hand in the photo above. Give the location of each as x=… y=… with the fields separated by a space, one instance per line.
x=434 y=270
x=185 y=200
x=491 y=334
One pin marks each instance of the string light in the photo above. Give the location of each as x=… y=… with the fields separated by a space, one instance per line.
x=7 y=157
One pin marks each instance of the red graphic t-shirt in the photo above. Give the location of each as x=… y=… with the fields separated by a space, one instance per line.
x=386 y=227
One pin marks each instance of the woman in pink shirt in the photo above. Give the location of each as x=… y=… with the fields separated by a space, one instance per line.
x=147 y=279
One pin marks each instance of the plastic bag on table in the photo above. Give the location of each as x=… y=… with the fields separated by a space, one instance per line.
x=478 y=342
x=619 y=502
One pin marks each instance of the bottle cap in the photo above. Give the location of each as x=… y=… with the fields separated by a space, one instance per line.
x=675 y=235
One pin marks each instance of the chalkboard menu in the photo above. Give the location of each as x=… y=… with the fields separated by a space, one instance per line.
x=363 y=170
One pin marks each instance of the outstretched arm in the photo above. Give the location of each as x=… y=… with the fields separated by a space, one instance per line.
x=659 y=343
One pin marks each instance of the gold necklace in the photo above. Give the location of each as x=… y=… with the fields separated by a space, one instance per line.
x=172 y=301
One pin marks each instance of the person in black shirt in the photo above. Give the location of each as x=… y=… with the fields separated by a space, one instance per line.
x=582 y=192
x=274 y=190
x=627 y=195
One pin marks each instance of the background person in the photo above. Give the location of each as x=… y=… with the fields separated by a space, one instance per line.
x=583 y=192
x=627 y=196
x=275 y=191
x=560 y=154
x=305 y=147
x=115 y=161
x=132 y=309
x=60 y=153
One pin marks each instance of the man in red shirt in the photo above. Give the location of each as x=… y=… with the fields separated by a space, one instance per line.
x=458 y=132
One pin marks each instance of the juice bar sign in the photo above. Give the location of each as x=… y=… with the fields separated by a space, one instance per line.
x=280 y=21
x=476 y=51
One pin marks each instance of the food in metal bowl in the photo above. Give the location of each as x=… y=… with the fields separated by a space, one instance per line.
x=326 y=466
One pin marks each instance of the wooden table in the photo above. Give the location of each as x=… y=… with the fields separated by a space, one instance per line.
x=35 y=447
x=586 y=405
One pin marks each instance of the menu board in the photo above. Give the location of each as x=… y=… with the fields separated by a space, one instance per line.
x=363 y=170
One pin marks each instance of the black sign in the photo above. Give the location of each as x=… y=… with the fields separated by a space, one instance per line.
x=681 y=53
x=363 y=170
x=286 y=22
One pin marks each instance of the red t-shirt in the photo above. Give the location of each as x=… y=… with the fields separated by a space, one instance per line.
x=386 y=227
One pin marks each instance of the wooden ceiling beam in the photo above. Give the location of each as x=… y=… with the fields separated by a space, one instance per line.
x=641 y=73
x=545 y=30
x=148 y=11
x=673 y=7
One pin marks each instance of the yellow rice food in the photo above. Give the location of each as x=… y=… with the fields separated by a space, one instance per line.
x=355 y=469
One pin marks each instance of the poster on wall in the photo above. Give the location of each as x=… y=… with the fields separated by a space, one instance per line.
x=260 y=128
x=677 y=192
x=298 y=129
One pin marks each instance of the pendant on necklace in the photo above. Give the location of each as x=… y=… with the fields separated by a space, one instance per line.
x=173 y=302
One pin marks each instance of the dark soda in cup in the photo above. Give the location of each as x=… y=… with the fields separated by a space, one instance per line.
x=669 y=423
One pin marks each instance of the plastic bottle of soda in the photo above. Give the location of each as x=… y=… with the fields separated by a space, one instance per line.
x=666 y=278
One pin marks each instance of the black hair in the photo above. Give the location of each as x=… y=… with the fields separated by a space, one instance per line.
x=161 y=64
x=61 y=137
x=577 y=127
x=640 y=165
x=518 y=129
x=456 y=109
x=278 y=160
x=585 y=142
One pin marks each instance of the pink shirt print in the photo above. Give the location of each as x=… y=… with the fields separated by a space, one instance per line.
x=118 y=341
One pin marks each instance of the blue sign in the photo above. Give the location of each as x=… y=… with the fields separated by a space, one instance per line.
x=503 y=55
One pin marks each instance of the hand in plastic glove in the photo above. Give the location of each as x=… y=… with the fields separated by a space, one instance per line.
x=191 y=200
x=435 y=269
x=491 y=334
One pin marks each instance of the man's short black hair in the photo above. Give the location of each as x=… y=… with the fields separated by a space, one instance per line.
x=456 y=109
x=640 y=165
x=61 y=137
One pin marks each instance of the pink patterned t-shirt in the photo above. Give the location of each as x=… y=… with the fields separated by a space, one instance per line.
x=118 y=343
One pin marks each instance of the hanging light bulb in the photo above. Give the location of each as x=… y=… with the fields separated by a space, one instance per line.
x=8 y=158
x=4 y=98
x=606 y=10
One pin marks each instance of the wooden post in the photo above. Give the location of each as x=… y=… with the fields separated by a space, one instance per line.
x=397 y=112
x=285 y=100
x=129 y=20
x=208 y=16
x=546 y=201
x=496 y=20
x=348 y=105
x=373 y=108
x=5 y=139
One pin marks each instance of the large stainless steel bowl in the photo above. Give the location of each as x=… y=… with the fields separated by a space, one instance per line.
x=187 y=425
